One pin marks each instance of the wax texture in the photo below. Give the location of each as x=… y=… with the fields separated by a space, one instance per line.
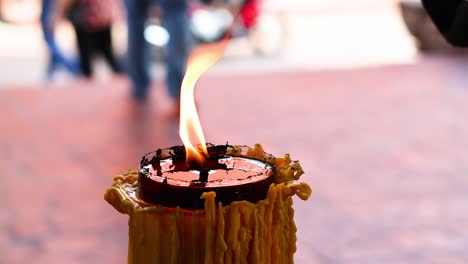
x=242 y=232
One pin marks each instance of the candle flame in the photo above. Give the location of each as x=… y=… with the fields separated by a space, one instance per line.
x=190 y=130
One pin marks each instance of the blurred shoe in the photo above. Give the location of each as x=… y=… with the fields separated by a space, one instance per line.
x=174 y=111
x=138 y=110
x=139 y=97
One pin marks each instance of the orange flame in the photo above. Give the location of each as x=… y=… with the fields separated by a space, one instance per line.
x=200 y=60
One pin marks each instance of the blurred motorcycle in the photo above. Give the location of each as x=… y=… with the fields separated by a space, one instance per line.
x=210 y=23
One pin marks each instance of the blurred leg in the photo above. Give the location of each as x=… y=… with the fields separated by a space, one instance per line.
x=138 y=55
x=60 y=59
x=176 y=21
x=46 y=12
x=104 y=45
x=85 y=49
x=56 y=56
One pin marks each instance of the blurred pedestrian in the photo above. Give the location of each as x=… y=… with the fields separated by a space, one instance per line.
x=56 y=58
x=92 y=21
x=175 y=20
x=451 y=18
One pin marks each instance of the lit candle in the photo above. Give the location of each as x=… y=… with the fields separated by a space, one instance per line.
x=243 y=214
x=209 y=203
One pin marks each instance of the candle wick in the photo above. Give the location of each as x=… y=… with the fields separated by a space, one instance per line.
x=202 y=167
x=203 y=175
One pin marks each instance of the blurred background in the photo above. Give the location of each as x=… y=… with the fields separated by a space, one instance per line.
x=289 y=36
x=365 y=93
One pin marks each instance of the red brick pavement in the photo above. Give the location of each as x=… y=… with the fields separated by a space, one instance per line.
x=384 y=149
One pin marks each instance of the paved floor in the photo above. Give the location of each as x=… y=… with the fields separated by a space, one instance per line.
x=384 y=149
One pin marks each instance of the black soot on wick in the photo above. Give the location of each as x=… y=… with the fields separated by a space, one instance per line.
x=202 y=167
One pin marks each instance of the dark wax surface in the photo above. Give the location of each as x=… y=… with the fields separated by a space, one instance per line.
x=170 y=182
x=237 y=171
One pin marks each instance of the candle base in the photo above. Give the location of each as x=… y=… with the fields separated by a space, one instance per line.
x=242 y=232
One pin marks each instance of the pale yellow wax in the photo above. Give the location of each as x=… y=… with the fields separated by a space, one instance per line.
x=242 y=232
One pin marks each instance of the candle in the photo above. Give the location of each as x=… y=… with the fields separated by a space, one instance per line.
x=205 y=203
x=252 y=222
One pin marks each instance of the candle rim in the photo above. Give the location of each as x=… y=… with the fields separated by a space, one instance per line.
x=162 y=193
x=214 y=151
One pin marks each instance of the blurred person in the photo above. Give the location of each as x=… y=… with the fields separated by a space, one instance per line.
x=92 y=21
x=238 y=17
x=175 y=20
x=451 y=18
x=56 y=57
